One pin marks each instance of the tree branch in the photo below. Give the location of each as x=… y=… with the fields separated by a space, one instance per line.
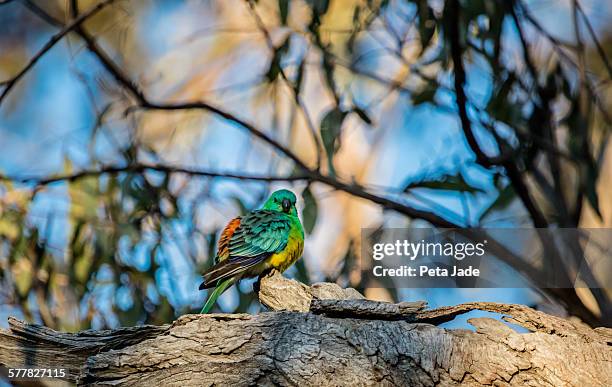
x=9 y=84
x=198 y=105
x=456 y=52
x=541 y=122
x=41 y=13
x=514 y=174
x=140 y=168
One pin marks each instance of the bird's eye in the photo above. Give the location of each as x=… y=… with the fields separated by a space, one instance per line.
x=286 y=205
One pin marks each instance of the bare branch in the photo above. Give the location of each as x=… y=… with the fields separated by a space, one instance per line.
x=456 y=53
x=143 y=102
x=9 y=84
x=543 y=113
x=309 y=175
x=359 y=191
x=140 y=168
x=228 y=116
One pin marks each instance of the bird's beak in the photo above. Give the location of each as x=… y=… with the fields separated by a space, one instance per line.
x=286 y=205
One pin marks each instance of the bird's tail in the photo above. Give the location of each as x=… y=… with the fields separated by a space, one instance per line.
x=219 y=289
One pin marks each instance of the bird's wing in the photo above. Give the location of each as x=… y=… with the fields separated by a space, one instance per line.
x=226 y=235
x=259 y=234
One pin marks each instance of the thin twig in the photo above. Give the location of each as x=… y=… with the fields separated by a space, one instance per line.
x=353 y=189
x=105 y=59
x=9 y=84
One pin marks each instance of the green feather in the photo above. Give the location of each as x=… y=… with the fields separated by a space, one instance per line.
x=219 y=289
x=260 y=232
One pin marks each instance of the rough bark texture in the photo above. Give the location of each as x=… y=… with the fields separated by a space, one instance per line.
x=325 y=335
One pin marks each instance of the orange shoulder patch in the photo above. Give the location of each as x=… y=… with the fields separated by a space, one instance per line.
x=226 y=235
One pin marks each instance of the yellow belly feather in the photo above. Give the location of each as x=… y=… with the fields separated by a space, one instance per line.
x=281 y=261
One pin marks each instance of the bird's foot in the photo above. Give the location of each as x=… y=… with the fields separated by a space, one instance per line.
x=267 y=273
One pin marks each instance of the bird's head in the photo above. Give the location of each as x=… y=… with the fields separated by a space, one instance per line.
x=283 y=201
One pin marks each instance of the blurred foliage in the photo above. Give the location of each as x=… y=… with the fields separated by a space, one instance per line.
x=330 y=69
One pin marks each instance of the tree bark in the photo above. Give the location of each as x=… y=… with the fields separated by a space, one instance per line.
x=325 y=335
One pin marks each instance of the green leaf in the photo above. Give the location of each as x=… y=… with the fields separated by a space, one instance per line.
x=504 y=198
x=283 y=8
x=310 y=212
x=446 y=183
x=331 y=126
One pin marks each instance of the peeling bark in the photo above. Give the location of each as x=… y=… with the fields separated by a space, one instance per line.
x=325 y=335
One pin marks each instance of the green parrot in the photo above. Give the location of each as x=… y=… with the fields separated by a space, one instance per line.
x=269 y=238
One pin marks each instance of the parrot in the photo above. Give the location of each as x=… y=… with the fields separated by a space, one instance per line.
x=250 y=245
